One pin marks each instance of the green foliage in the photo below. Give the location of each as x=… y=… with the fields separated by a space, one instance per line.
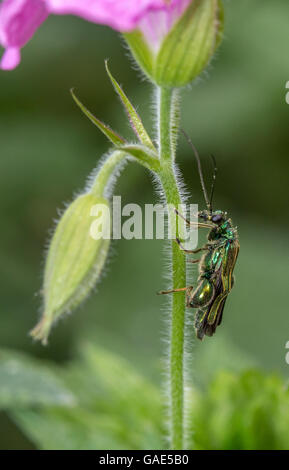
x=134 y=118
x=24 y=383
x=100 y=402
x=109 y=133
x=116 y=408
x=246 y=411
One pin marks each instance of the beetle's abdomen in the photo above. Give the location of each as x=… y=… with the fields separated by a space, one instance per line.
x=203 y=294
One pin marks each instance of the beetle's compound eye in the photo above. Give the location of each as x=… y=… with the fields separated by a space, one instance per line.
x=217 y=218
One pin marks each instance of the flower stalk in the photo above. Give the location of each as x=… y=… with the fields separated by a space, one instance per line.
x=167 y=176
x=160 y=162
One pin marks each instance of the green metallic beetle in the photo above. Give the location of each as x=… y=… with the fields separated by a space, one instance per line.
x=215 y=279
x=216 y=266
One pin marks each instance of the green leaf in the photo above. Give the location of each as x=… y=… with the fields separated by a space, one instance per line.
x=135 y=120
x=26 y=382
x=117 y=408
x=247 y=411
x=57 y=429
x=109 y=133
x=109 y=386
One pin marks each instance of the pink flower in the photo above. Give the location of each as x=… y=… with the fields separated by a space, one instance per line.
x=156 y=24
x=19 y=19
x=122 y=15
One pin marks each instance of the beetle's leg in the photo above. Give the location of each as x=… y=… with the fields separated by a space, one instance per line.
x=195 y=261
x=172 y=291
x=182 y=217
x=188 y=291
x=194 y=224
x=204 y=248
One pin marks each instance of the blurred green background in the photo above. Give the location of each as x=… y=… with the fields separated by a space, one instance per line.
x=236 y=110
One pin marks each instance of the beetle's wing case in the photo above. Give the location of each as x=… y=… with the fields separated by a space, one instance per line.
x=208 y=319
x=230 y=257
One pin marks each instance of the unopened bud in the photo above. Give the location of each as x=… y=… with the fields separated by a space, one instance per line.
x=185 y=48
x=76 y=256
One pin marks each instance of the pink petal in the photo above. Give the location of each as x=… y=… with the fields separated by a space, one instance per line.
x=155 y=25
x=19 y=20
x=153 y=17
x=10 y=58
x=123 y=15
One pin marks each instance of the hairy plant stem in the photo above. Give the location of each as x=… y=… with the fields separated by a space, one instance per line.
x=163 y=167
x=167 y=176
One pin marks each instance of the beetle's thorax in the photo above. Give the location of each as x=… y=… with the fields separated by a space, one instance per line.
x=222 y=226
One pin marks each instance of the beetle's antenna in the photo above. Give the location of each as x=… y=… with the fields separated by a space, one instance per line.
x=200 y=170
x=213 y=183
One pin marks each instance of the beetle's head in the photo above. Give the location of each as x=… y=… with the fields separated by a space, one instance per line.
x=217 y=217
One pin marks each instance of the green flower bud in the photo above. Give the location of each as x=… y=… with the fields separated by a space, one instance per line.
x=186 y=49
x=76 y=256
